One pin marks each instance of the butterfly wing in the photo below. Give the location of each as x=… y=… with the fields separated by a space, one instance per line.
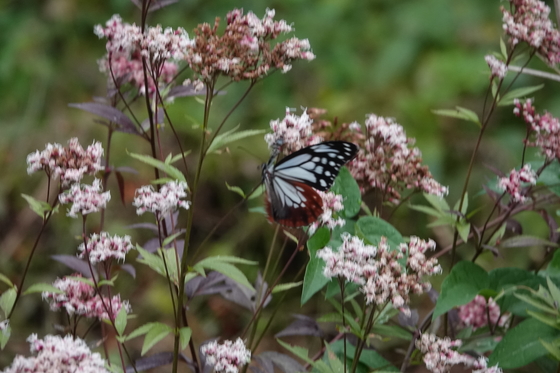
x=292 y=204
x=316 y=165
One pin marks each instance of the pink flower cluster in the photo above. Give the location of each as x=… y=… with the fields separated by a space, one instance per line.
x=226 y=357
x=58 y=354
x=293 y=132
x=244 y=51
x=127 y=46
x=511 y=184
x=80 y=298
x=378 y=269
x=498 y=68
x=475 y=313
x=545 y=128
x=332 y=203
x=85 y=199
x=70 y=163
x=528 y=21
x=161 y=203
x=439 y=356
x=101 y=247
x=389 y=162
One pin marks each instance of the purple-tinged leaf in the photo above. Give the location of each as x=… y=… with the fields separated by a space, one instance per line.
x=283 y=362
x=108 y=112
x=158 y=4
x=149 y=226
x=244 y=296
x=213 y=283
x=494 y=196
x=75 y=264
x=256 y=369
x=184 y=91
x=493 y=249
x=433 y=295
x=151 y=245
x=265 y=363
x=159 y=119
x=120 y=182
x=126 y=169
x=303 y=325
x=100 y=100
x=151 y=362
x=129 y=269
x=408 y=321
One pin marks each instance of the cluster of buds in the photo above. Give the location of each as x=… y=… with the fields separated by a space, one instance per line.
x=511 y=184
x=226 y=357
x=80 y=298
x=332 y=204
x=128 y=48
x=528 y=21
x=244 y=50
x=378 y=269
x=293 y=132
x=101 y=247
x=389 y=162
x=476 y=313
x=70 y=163
x=58 y=354
x=161 y=203
x=545 y=129
x=498 y=68
x=440 y=356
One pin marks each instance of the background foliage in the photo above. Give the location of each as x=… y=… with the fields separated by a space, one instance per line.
x=398 y=59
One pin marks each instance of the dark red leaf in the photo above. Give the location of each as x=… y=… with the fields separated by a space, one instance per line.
x=120 y=182
x=130 y=269
x=213 y=283
x=150 y=362
x=553 y=234
x=408 y=321
x=126 y=169
x=149 y=226
x=184 y=91
x=283 y=362
x=108 y=112
x=75 y=264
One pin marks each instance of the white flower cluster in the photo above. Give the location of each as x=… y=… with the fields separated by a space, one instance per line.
x=85 y=199
x=161 y=203
x=498 y=68
x=69 y=163
x=293 y=132
x=511 y=184
x=101 y=247
x=58 y=354
x=226 y=357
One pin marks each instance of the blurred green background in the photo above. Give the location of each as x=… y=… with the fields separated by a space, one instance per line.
x=393 y=58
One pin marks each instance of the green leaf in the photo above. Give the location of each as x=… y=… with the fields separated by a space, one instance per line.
x=85 y=280
x=525 y=241
x=508 y=98
x=5 y=336
x=373 y=228
x=171 y=238
x=346 y=186
x=283 y=287
x=176 y=157
x=427 y=210
x=464 y=229
x=503 y=49
x=314 y=280
x=151 y=260
x=231 y=136
x=392 y=331
x=535 y=303
x=554 y=291
x=370 y=360
x=173 y=172
x=41 y=287
x=236 y=189
x=460 y=113
x=545 y=319
x=553 y=268
x=497 y=235
x=215 y=264
x=120 y=321
x=508 y=280
x=39 y=207
x=185 y=336
x=522 y=344
x=300 y=352
x=7 y=300
x=6 y=280
x=437 y=202
x=141 y=330
x=464 y=282
x=154 y=335
x=551 y=348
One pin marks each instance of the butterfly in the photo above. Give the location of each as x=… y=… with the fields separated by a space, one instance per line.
x=291 y=198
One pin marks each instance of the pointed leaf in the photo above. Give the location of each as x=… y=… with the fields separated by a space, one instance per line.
x=373 y=228
x=121 y=320
x=236 y=189
x=508 y=98
x=229 y=137
x=525 y=241
x=7 y=300
x=5 y=336
x=156 y=334
x=173 y=172
x=112 y=114
x=314 y=280
x=41 y=287
x=185 y=336
x=75 y=264
x=39 y=207
x=120 y=183
x=346 y=185
x=6 y=280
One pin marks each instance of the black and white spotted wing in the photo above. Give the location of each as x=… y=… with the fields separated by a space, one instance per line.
x=316 y=165
x=291 y=199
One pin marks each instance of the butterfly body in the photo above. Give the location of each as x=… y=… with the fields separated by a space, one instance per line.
x=292 y=183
